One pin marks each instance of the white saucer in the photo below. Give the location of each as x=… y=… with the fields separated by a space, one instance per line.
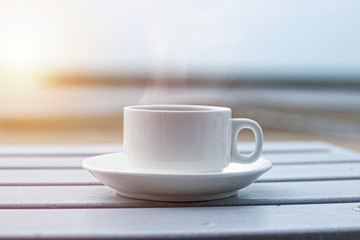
x=177 y=187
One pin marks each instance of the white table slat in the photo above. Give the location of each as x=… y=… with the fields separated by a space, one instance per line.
x=293 y=172
x=255 y=194
x=41 y=162
x=47 y=177
x=316 y=153
x=332 y=221
x=312 y=172
x=95 y=149
x=55 y=149
x=313 y=158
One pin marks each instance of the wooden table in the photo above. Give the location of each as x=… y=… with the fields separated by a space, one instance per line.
x=312 y=192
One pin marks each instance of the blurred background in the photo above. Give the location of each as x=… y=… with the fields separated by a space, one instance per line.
x=67 y=68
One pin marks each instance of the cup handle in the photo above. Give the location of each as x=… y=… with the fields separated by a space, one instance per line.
x=237 y=125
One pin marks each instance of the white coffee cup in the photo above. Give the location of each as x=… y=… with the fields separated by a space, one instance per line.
x=185 y=138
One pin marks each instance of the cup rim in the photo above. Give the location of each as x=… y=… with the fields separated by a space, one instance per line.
x=176 y=108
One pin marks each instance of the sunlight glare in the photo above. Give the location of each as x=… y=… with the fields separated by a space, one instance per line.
x=30 y=42
x=19 y=54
